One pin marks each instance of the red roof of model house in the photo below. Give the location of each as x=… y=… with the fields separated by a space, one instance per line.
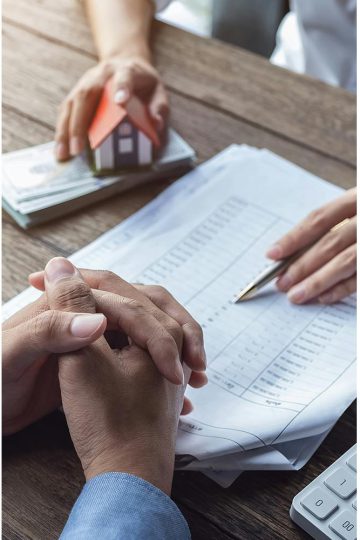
x=109 y=115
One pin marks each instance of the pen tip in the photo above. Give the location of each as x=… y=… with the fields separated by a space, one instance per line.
x=245 y=294
x=239 y=298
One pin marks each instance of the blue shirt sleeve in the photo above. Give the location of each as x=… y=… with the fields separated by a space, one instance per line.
x=114 y=506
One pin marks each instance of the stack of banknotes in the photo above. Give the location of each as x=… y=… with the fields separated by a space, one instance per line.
x=37 y=189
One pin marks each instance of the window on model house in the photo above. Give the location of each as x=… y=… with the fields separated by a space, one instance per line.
x=126 y=143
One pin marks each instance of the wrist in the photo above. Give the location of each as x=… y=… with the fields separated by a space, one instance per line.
x=131 y=49
x=151 y=462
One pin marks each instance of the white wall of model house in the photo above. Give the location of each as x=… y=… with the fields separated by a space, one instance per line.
x=125 y=146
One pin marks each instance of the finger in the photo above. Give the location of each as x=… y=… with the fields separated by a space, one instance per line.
x=67 y=291
x=340 y=291
x=108 y=281
x=324 y=250
x=65 y=288
x=36 y=279
x=193 y=346
x=28 y=312
x=166 y=311
x=82 y=112
x=62 y=151
x=137 y=322
x=315 y=225
x=198 y=379
x=48 y=333
x=187 y=407
x=164 y=307
x=145 y=330
x=103 y=280
x=159 y=107
x=96 y=279
x=123 y=85
x=342 y=267
x=134 y=78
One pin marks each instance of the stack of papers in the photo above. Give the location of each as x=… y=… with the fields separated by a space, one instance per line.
x=36 y=188
x=280 y=375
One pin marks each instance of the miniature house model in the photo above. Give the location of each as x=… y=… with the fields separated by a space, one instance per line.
x=121 y=136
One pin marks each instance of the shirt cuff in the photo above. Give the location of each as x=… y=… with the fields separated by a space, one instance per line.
x=119 y=505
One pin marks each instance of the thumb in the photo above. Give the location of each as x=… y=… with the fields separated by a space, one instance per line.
x=67 y=291
x=48 y=333
x=159 y=107
x=123 y=85
x=65 y=288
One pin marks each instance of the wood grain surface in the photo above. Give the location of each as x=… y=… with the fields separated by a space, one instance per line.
x=219 y=95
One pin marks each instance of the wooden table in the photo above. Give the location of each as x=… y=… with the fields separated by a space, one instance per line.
x=220 y=95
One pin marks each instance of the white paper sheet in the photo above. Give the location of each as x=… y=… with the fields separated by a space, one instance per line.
x=273 y=366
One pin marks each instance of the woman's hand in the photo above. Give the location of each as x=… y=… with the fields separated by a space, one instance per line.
x=130 y=75
x=327 y=270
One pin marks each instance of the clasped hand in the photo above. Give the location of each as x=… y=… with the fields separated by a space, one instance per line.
x=121 y=405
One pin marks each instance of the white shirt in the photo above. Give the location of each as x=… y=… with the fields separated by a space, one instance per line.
x=317 y=37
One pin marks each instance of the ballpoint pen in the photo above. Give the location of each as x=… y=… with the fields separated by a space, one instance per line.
x=274 y=270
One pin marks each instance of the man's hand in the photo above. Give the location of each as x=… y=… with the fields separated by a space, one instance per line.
x=327 y=271
x=122 y=414
x=33 y=335
x=30 y=371
x=150 y=316
x=129 y=76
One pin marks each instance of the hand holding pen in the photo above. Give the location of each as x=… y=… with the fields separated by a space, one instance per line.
x=317 y=258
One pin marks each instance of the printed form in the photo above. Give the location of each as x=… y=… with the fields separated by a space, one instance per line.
x=273 y=367
x=278 y=373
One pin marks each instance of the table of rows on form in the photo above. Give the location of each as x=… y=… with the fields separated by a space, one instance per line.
x=267 y=351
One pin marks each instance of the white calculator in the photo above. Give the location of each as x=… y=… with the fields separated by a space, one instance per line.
x=326 y=508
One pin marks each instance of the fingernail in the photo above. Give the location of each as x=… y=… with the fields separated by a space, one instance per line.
x=59 y=268
x=83 y=326
x=121 y=96
x=36 y=274
x=275 y=252
x=76 y=146
x=179 y=372
x=61 y=151
x=285 y=282
x=160 y=122
x=191 y=408
x=203 y=356
x=297 y=294
x=326 y=298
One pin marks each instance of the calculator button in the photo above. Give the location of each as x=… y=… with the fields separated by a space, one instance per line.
x=354 y=504
x=320 y=503
x=344 y=525
x=342 y=482
x=352 y=462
